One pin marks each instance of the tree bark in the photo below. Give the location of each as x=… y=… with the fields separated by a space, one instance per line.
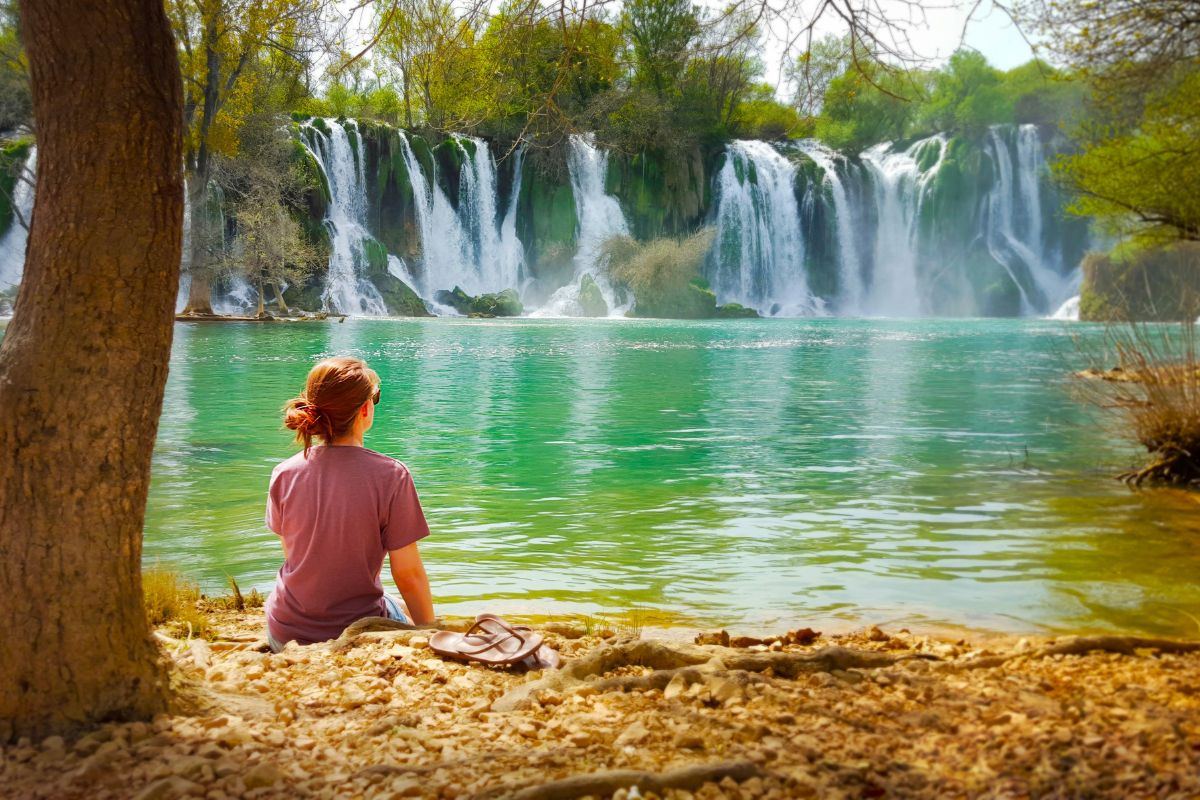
x=83 y=365
x=199 y=299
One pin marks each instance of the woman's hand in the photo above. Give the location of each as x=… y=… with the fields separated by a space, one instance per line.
x=408 y=571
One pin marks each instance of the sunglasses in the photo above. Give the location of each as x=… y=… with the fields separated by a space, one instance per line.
x=378 y=393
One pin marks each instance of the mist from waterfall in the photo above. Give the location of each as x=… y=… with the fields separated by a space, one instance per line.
x=599 y=218
x=12 y=246
x=348 y=290
x=468 y=245
x=1014 y=231
x=900 y=186
x=758 y=252
x=851 y=288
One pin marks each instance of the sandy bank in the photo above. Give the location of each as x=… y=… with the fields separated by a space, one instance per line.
x=381 y=716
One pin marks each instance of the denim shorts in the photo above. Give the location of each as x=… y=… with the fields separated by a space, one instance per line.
x=393 y=609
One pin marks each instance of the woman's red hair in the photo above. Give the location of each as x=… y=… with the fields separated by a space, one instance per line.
x=336 y=389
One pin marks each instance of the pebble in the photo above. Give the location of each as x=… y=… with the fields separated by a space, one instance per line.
x=1094 y=726
x=170 y=789
x=262 y=775
x=634 y=733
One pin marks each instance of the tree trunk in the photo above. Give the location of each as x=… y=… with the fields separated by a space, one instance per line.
x=83 y=364
x=200 y=288
x=262 y=310
x=283 y=306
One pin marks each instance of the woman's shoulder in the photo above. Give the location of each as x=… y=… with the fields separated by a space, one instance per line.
x=385 y=462
x=297 y=461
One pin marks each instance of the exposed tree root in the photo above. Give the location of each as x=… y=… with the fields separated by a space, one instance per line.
x=682 y=662
x=604 y=784
x=1173 y=467
x=1081 y=645
x=401 y=631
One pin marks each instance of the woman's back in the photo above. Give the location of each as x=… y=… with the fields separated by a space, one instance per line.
x=340 y=509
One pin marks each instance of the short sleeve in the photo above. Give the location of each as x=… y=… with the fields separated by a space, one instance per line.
x=274 y=516
x=406 y=521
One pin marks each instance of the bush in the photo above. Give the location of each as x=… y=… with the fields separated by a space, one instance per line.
x=1155 y=392
x=663 y=275
x=173 y=601
x=1142 y=285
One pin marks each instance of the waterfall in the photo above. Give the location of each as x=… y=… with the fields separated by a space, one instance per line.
x=511 y=254
x=12 y=246
x=1014 y=236
x=1069 y=310
x=347 y=288
x=599 y=218
x=1030 y=165
x=468 y=246
x=850 y=268
x=900 y=185
x=758 y=255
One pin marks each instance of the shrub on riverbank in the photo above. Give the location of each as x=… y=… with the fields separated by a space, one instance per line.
x=664 y=275
x=1155 y=390
x=173 y=600
x=1146 y=285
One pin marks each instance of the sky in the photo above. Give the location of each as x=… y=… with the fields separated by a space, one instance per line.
x=990 y=32
x=934 y=36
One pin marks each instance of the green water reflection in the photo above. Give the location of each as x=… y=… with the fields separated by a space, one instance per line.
x=752 y=473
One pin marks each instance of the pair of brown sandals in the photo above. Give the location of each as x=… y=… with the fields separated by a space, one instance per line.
x=495 y=642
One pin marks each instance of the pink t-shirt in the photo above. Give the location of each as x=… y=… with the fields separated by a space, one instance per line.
x=338 y=512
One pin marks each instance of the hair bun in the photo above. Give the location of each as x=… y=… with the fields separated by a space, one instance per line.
x=302 y=417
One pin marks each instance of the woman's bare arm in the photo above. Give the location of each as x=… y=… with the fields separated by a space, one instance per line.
x=408 y=571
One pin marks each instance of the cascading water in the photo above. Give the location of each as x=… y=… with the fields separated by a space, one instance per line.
x=900 y=185
x=468 y=246
x=758 y=255
x=600 y=219
x=850 y=267
x=1030 y=164
x=1014 y=231
x=12 y=247
x=347 y=289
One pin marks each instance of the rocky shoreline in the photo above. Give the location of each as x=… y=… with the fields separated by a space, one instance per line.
x=868 y=714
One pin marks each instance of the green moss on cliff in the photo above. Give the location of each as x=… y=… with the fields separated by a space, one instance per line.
x=1161 y=284
x=13 y=155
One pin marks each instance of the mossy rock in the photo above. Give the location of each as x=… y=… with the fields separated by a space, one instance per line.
x=691 y=301
x=1001 y=298
x=928 y=155
x=307 y=296
x=449 y=156
x=400 y=299
x=660 y=194
x=499 y=304
x=455 y=298
x=591 y=300
x=735 y=311
x=320 y=124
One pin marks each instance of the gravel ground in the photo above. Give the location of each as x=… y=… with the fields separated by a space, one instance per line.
x=382 y=716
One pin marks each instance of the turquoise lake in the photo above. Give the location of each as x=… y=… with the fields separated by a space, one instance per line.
x=757 y=474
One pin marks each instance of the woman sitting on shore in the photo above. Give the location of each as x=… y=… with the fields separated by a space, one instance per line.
x=339 y=508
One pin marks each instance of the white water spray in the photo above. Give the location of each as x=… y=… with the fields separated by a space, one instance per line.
x=1019 y=248
x=850 y=268
x=600 y=219
x=468 y=246
x=12 y=246
x=758 y=256
x=347 y=288
x=899 y=192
